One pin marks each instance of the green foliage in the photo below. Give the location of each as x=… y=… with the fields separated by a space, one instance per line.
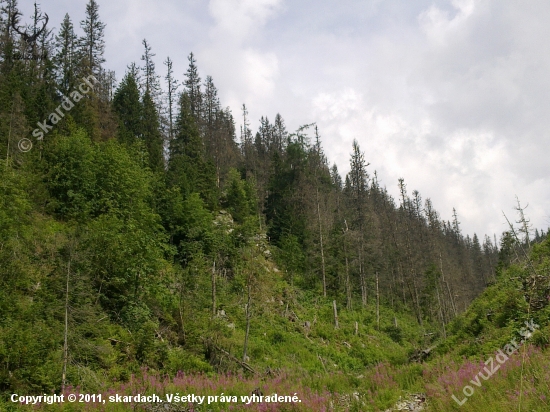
x=510 y=308
x=394 y=333
x=429 y=293
x=240 y=198
x=188 y=168
x=128 y=107
x=500 y=312
x=506 y=252
x=541 y=338
x=291 y=256
x=190 y=224
x=283 y=210
x=86 y=179
x=181 y=360
x=70 y=176
x=151 y=133
x=125 y=259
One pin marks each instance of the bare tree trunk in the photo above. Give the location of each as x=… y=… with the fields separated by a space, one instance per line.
x=335 y=314
x=400 y=271
x=364 y=296
x=451 y=297
x=393 y=287
x=364 y=300
x=245 y=348
x=415 y=307
x=417 y=301
x=348 y=286
x=181 y=311
x=403 y=292
x=214 y=289
x=260 y=220
x=524 y=223
x=441 y=312
x=322 y=247
x=65 y=341
x=9 y=135
x=348 y=282
x=377 y=303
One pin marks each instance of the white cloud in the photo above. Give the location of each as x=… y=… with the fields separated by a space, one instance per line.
x=240 y=19
x=338 y=106
x=438 y=25
x=248 y=74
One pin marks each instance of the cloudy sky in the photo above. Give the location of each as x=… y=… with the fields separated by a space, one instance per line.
x=451 y=95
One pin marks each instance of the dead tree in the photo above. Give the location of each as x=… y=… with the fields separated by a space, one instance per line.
x=31 y=34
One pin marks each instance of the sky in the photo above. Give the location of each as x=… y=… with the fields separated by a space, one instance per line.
x=451 y=95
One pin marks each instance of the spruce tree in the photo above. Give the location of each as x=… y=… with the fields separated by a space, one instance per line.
x=8 y=8
x=151 y=133
x=150 y=79
x=66 y=57
x=128 y=107
x=188 y=168
x=92 y=44
x=216 y=125
x=279 y=134
x=210 y=109
x=172 y=87
x=193 y=88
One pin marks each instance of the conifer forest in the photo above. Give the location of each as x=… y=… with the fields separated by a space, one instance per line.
x=155 y=242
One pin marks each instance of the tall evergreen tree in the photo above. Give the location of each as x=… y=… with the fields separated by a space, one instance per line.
x=172 y=87
x=188 y=168
x=7 y=9
x=359 y=183
x=129 y=108
x=150 y=80
x=280 y=133
x=193 y=88
x=209 y=120
x=151 y=134
x=66 y=56
x=92 y=43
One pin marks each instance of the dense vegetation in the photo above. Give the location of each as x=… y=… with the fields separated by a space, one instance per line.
x=141 y=241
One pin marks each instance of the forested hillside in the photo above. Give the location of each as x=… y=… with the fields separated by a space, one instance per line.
x=140 y=229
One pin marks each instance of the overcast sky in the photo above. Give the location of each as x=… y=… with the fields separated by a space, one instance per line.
x=451 y=95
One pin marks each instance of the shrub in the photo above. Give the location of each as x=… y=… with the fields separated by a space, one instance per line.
x=540 y=338
x=394 y=332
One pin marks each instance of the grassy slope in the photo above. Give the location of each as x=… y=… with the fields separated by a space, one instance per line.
x=375 y=368
x=341 y=370
x=521 y=382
